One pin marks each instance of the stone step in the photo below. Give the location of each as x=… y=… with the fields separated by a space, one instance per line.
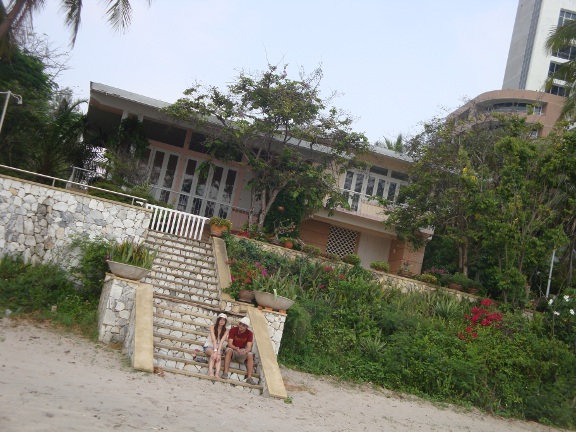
x=165 y=238
x=195 y=280
x=181 y=251
x=187 y=357
x=169 y=289
x=183 y=310
x=184 y=330
x=213 y=305
x=254 y=388
x=182 y=268
x=183 y=320
x=200 y=262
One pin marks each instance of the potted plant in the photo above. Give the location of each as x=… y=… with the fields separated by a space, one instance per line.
x=287 y=242
x=130 y=260
x=404 y=271
x=277 y=291
x=219 y=225
x=382 y=266
x=351 y=259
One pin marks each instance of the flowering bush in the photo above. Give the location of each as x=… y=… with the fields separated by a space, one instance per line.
x=480 y=317
x=242 y=273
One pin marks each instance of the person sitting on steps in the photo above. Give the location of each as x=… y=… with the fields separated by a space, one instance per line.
x=213 y=346
x=239 y=349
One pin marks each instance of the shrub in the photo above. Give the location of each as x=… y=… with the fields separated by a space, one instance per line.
x=380 y=266
x=428 y=278
x=460 y=279
x=91 y=269
x=312 y=250
x=331 y=256
x=351 y=259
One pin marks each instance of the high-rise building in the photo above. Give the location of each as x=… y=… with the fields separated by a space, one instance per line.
x=529 y=64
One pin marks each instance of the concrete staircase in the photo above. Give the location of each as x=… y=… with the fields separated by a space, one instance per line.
x=185 y=301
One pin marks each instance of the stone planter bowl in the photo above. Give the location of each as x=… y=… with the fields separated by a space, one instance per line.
x=127 y=271
x=265 y=299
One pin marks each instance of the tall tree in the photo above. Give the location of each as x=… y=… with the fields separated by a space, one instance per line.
x=282 y=130
x=18 y=14
x=489 y=188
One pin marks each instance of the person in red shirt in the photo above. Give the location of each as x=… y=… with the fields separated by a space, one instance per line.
x=239 y=349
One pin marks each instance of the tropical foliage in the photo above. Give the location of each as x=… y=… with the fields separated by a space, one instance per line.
x=347 y=325
x=501 y=198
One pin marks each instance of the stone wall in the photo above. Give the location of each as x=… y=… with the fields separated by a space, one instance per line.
x=38 y=221
x=115 y=310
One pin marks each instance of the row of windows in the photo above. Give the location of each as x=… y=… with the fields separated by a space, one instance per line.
x=516 y=107
x=558 y=90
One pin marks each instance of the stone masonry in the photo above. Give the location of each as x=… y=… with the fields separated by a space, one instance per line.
x=38 y=221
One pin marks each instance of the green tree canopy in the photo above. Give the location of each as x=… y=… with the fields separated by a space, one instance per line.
x=282 y=130
x=493 y=191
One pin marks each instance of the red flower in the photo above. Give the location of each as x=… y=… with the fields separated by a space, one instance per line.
x=468 y=329
x=461 y=336
x=486 y=302
x=474 y=335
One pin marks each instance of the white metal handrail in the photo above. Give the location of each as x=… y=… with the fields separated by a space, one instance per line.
x=135 y=200
x=171 y=221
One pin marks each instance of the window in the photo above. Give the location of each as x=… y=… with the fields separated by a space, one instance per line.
x=565 y=17
x=558 y=90
x=378 y=182
x=516 y=107
x=553 y=68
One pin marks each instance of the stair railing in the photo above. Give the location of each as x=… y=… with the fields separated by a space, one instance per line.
x=176 y=222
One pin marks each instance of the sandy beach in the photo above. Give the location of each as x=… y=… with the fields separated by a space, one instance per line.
x=52 y=380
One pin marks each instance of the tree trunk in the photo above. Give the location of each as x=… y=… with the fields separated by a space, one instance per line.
x=11 y=16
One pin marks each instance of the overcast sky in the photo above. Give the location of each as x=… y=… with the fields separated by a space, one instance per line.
x=395 y=63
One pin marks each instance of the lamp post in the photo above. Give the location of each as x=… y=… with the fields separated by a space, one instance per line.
x=8 y=94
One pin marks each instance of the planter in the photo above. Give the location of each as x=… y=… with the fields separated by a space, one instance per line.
x=127 y=271
x=405 y=273
x=455 y=286
x=265 y=299
x=288 y=245
x=246 y=296
x=473 y=291
x=217 y=231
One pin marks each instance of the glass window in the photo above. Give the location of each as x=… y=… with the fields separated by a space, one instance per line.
x=380 y=190
x=391 y=192
x=558 y=90
x=348 y=180
x=370 y=185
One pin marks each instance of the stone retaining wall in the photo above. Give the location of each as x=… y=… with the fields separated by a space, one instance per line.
x=115 y=310
x=37 y=221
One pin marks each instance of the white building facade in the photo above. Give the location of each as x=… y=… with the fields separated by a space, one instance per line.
x=529 y=64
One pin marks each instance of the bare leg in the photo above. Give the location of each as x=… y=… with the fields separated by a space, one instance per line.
x=227 y=360
x=249 y=365
x=217 y=364
x=209 y=352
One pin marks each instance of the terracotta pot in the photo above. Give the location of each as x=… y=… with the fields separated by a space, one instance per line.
x=127 y=271
x=280 y=208
x=288 y=245
x=473 y=291
x=405 y=273
x=246 y=296
x=455 y=286
x=265 y=299
x=217 y=231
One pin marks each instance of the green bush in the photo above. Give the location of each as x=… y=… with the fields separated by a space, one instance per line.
x=351 y=259
x=382 y=266
x=92 y=267
x=428 y=278
x=331 y=256
x=311 y=250
x=410 y=342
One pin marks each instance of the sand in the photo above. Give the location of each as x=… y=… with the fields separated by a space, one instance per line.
x=52 y=380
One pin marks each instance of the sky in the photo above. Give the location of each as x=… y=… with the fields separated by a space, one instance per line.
x=395 y=64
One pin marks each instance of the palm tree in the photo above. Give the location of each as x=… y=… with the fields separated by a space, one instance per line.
x=19 y=14
x=559 y=39
x=396 y=145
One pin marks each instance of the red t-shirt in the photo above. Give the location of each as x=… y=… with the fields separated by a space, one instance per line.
x=240 y=340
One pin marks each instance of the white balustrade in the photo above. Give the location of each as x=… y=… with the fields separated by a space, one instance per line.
x=176 y=222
